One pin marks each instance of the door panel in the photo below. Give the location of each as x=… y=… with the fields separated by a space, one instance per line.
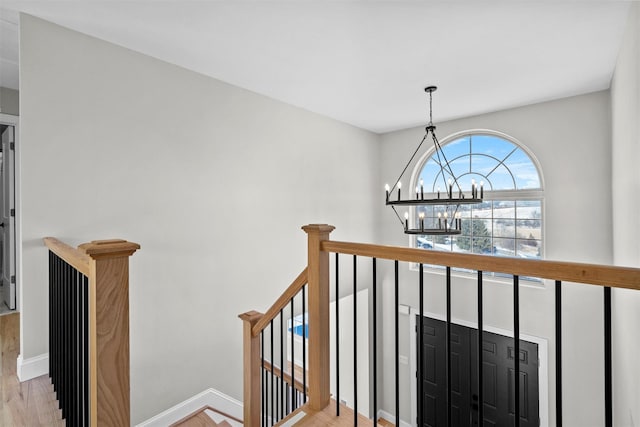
x=498 y=380
x=8 y=220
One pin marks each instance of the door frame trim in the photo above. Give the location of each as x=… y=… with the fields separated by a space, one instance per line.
x=543 y=357
x=14 y=121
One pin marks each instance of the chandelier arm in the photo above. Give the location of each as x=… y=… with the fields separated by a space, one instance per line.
x=446 y=162
x=408 y=163
x=398 y=215
x=436 y=145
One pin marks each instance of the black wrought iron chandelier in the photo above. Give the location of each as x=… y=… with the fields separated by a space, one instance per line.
x=447 y=202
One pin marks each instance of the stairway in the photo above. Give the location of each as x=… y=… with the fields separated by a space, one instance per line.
x=208 y=417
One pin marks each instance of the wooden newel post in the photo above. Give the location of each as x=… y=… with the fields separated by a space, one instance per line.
x=318 y=281
x=109 y=331
x=252 y=368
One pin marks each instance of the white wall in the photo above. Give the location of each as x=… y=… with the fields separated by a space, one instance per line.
x=625 y=114
x=571 y=140
x=9 y=101
x=213 y=181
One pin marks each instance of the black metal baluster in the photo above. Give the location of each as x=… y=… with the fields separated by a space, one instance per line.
x=282 y=414
x=421 y=349
x=52 y=317
x=448 y=346
x=73 y=354
x=50 y=313
x=355 y=340
x=480 y=354
x=263 y=384
x=85 y=303
x=272 y=373
x=67 y=368
x=304 y=345
x=558 y=309
x=293 y=363
x=397 y=344
x=337 y=337
x=608 y=379
x=516 y=345
x=375 y=344
x=58 y=328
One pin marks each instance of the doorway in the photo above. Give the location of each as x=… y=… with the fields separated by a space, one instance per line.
x=498 y=377
x=7 y=218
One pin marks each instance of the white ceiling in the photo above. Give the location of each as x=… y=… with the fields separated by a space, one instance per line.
x=361 y=62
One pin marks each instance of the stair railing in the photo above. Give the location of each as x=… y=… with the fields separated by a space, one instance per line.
x=319 y=249
x=271 y=388
x=89 y=330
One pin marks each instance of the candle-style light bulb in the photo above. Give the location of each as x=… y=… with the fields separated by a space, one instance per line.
x=406 y=220
x=439 y=220
x=473 y=188
x=417 y=193
x=445 y=220
x=399 y=187
x=422 y=189
x=450 y=188
x=481 y=189
x=421 y=215
x=387 y=189
x=438 y=192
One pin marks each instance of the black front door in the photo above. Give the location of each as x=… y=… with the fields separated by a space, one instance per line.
x=498 y=382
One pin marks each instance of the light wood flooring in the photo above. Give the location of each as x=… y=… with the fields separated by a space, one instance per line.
x=28 y=404
x=327 y=418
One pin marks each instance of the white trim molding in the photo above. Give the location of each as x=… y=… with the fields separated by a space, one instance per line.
x=32 y=367
x=390 y=417
x=210 y=397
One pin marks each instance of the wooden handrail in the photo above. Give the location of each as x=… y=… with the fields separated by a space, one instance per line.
x=281 y=302
x=72 y=256
x=591 y=274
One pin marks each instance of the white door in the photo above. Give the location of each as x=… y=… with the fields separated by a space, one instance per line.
x=8 y=219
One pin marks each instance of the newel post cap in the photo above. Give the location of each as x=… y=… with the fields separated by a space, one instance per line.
x=318 y=228
x=114 y=248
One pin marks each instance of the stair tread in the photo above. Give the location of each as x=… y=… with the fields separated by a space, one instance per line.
x=207 y=417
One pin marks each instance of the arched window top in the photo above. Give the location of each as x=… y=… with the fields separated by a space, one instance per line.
x=496 y=160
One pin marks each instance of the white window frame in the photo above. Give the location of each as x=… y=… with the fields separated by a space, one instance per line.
x=506 y=195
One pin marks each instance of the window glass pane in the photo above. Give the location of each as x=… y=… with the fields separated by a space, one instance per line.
x=456 y=148
x=501 y=179
x=528 y=248
x=504 y=247
x=504 y=209
x=529 y=229
x=482 y=245
x=429 y=175
x=460 y=167
x=491 y=145
x=529 y=209
x=483 y=164
x=483 y=210
x=504 y=227
x=523 y=169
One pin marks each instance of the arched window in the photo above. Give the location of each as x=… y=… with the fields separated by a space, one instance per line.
x=509 y=220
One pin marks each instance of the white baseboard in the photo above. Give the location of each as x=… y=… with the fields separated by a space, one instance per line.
x=32 y=367
x=389 y=417
x=209 y=397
